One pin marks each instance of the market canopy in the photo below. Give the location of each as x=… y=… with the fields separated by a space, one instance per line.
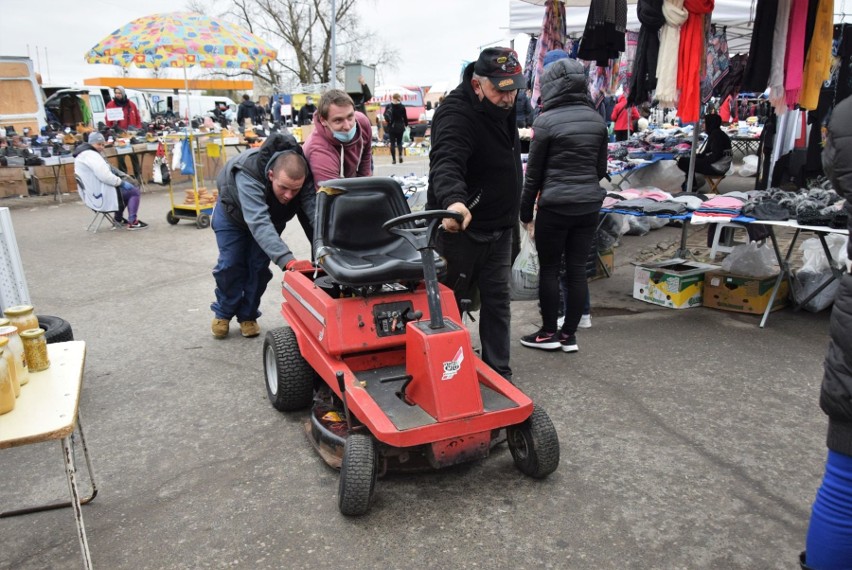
x=525 y=17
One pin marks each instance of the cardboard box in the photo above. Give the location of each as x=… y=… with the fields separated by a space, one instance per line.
x=381 y=151
x=11 y=173
x=742 y=294
x=676 y=283
x=604 y=265
x=13 y=188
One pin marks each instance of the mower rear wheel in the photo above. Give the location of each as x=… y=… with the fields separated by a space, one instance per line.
x=357 y=475
x=534 y=445
x=289 y=377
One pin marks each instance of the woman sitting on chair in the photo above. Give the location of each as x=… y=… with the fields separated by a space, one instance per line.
x=105 y=189
x=713 y=157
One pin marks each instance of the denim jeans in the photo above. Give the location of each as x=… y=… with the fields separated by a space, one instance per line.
x=241 y=273
x=130 y=194
x=556 y=234
x=483 y=263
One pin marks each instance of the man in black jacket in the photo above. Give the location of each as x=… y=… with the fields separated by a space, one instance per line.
x=259 y=192
x=829 y=541
x=475 y=169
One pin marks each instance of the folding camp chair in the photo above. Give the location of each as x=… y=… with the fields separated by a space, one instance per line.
x=100 y=216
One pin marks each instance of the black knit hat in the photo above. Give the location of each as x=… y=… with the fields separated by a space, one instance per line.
x=501 y=66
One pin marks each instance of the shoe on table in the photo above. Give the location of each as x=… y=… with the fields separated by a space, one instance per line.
x=249 y=328
x=137 y=225
x=568 y=342
x=220 y=327
x=542 y=339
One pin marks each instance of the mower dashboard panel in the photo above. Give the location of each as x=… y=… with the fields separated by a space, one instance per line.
x=390 y=318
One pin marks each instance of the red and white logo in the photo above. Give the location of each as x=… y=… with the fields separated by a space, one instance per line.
x=452 y=367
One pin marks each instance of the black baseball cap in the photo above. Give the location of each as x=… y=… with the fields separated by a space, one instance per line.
x=501 y=66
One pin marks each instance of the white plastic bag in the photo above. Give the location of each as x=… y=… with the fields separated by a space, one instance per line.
x=815 y=271
x=749 y=167
x=524 y=282
x=157 y=174
x=176 y=156
x=813 y=257
x=751 y=260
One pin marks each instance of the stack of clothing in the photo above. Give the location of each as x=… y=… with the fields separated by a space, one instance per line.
x=723 y=207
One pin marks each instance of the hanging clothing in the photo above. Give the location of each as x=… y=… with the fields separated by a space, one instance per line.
x=794 y=60
x=777 y=94
x=730 y=84
x=689 y=67
x=675 y=16
x=644 y=80
x=603 y=36
x=818 y=61
x=756 y=75
x=552 y=37
x=529 y=68
x=626 y=61
x=718 y=62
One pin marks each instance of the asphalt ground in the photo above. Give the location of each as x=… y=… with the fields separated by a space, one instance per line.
x=689 y=438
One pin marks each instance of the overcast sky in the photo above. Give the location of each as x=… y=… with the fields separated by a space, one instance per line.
x=432 y=37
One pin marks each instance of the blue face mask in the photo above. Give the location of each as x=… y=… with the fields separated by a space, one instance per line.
x=347 y=136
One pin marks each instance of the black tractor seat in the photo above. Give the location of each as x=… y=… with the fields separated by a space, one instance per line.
x=349 y=241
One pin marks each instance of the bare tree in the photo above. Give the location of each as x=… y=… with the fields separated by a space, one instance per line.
x=301 y=31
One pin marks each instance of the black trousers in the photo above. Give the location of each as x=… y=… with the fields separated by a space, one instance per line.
x=396 y=143
x=557 y=234
x=483 y=263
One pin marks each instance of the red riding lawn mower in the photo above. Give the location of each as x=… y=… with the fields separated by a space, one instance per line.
x=377 y=346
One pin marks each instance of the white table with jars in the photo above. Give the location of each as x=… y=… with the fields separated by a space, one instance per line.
x=47 y=409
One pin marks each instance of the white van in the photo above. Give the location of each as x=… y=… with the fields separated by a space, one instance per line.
x=20 y=95
x=199 y=105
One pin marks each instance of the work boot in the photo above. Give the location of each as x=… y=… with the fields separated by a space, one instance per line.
x=220 y=327
x=249 y=328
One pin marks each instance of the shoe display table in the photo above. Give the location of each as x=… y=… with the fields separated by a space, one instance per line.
x=48 y=410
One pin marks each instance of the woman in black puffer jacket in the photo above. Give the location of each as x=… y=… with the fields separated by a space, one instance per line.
x=566 y=162
x=829 y=541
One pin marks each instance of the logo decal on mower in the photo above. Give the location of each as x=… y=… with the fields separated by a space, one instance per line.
x=452 y=367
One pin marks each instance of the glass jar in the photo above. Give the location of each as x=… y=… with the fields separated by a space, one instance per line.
x=7 y=391
x=10 y=360
x=22 y=317
x=35 y=349
x=16 y=347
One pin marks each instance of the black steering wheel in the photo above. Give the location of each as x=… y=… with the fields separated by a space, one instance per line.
x=420 y=237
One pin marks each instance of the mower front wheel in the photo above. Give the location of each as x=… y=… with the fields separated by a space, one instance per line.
x=534 y=445
x=289 y=377
x=357 y=475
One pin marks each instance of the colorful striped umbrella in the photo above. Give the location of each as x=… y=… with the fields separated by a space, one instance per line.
x=181 y=40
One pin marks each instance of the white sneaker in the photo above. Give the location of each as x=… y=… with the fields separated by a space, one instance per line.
x=585 y=322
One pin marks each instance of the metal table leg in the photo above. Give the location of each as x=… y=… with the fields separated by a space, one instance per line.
x=784 y=271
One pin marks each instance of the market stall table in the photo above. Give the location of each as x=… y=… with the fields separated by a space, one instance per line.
x=48 y=410
x=628 y=173
x=745 y=144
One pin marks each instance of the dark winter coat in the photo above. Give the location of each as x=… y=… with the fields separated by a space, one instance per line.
x=475 y=159
x=396 y=118
x=256 y=163
x=836 y=395
x=248 y=110
x=568 y=150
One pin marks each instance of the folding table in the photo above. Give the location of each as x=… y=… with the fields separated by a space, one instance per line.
x=48 y=410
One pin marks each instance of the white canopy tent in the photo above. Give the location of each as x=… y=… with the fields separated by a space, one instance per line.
x=525 y=17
